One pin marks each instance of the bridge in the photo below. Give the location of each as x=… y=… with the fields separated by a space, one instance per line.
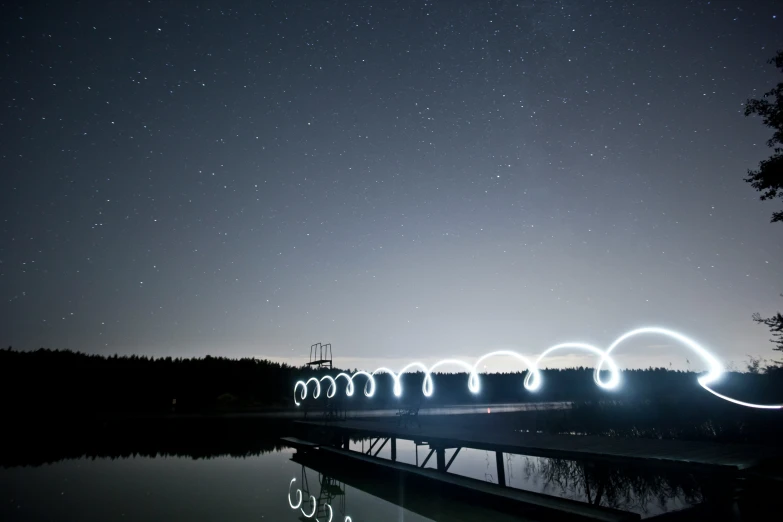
x=730 y=473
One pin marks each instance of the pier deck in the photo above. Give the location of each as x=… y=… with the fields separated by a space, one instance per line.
x=693 y=456
x=438 y=495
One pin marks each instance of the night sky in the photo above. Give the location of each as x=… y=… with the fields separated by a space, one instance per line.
x=403 y=179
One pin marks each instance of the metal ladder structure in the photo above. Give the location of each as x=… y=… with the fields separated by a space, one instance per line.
x=321 y=359
x=320 y=356
x=329 y=490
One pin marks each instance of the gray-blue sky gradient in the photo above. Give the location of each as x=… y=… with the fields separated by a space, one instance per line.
x=407 y=180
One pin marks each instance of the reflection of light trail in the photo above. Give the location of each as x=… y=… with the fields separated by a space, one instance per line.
x=298 y=495
x=313 y=503
x=532 y=380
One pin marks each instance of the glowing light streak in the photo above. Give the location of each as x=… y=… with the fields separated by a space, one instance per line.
x=332 y=386
x=473 y=381
x=314 y=505
x=532 y=380
x=304 y=384
x=304 y=391
x=349 y=386
x=442 y=362
x=317 y=386
x=370 y=382
x=298 y=493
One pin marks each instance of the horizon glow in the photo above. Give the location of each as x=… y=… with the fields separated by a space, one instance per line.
x=532 y=380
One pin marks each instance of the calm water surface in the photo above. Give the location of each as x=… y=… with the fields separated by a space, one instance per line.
x=265 y=486
x=174 y=488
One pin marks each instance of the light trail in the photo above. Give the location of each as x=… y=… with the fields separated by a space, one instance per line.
x=313 y=502
x=298 y=493
x=532 y=380
x=304 y=384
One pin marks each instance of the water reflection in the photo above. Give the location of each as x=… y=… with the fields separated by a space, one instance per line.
x=321 y=506
x=415 y=499
x=639 y=490
x=164 y=462
x=646 y=491
x=142 y=489
x=196 y=439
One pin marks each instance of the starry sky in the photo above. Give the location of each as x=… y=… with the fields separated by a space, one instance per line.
x=403 y=179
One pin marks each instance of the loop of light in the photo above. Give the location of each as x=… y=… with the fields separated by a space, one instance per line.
x=298 y=495
x=532 y=380
x=315 y=505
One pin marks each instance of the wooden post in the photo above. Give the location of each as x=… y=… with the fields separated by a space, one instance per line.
x=501 y=468
x=394 y=449
x=440 y=454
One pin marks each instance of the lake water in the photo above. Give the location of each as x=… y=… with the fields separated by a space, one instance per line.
x=172 y=488
x=264 y=484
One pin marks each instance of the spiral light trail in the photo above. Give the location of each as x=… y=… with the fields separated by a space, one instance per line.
x=532 y=380
x=313 y=502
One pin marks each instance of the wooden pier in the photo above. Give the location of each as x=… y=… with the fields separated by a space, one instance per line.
x=730 y=475
x=444 y=496
x=705 y=457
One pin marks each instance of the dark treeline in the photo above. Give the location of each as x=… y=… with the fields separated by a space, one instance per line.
x=69 y=382
x=44 y=441
x=46 y=381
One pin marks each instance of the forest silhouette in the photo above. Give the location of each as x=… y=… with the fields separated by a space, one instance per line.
x=96 y=406
x=66 y=382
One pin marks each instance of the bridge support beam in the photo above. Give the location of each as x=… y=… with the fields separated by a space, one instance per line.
x=501 y=468
x=423 y=464
x=394 y=449
x=440 y=454
x=381 y=446
x=453 y=456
